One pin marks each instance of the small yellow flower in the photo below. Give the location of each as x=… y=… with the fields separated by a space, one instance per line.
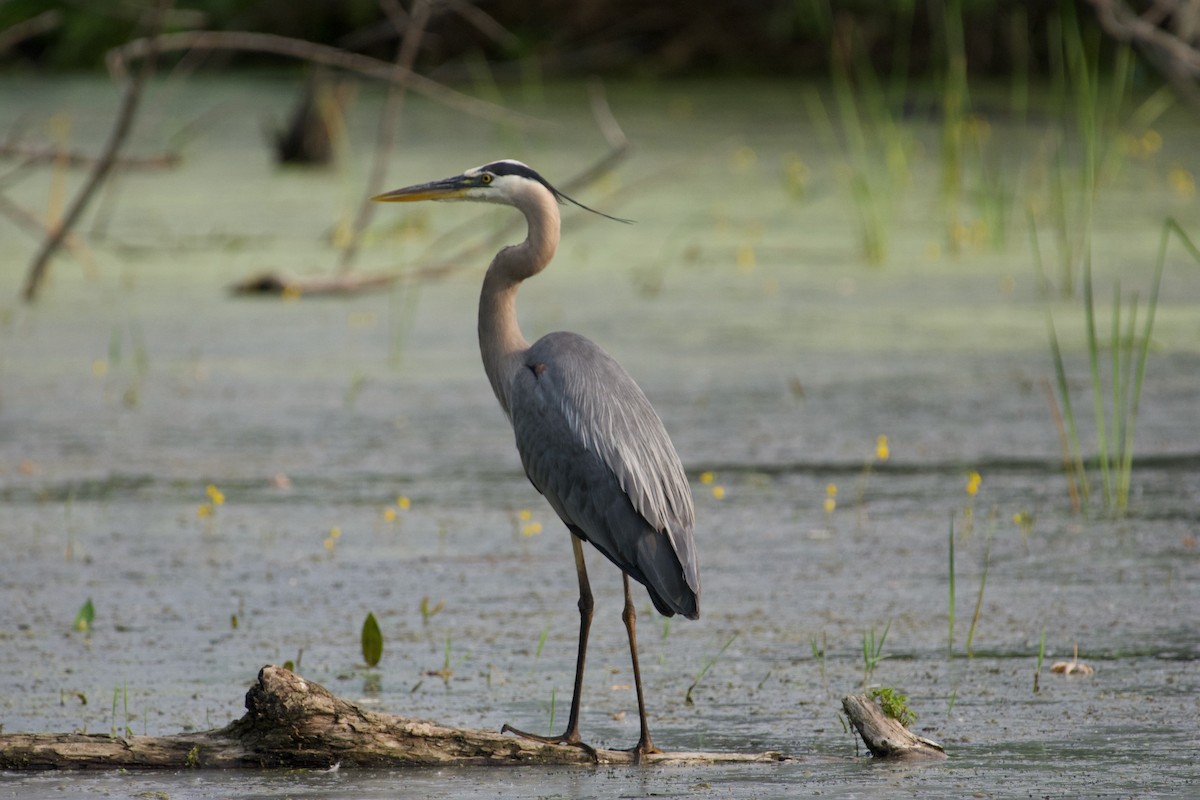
x=744 y=158
x=335 y=533
x=524 y=515
x=389 y=514
x=403 y=503
x=215 y=495
x=831 y=490
x=745 y=258
x=329 y=543
x=1182 y=181
x=204 y=510
x=882 y=451
x=531 y=529
x=830 y=498
x=718 y=492
x=973 y=481
x=707 y=478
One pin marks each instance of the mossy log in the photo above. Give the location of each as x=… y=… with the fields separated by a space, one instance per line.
x=295 y=723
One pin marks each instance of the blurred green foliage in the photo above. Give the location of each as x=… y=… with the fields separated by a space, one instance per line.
x=585 y=36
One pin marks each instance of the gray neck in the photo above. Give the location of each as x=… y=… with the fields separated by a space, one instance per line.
x=500 y=341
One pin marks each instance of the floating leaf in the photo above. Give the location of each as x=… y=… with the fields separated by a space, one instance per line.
x=372 y=641
x=83 y=619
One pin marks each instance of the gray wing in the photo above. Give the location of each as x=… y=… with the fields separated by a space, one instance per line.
x=594 y=446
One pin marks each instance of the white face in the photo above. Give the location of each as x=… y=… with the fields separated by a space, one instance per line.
x=499 y=188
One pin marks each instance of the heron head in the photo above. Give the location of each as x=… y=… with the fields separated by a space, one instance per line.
x=505 y=181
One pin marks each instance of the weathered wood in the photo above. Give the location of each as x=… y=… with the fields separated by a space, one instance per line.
x=293 y=722
x=886 y=737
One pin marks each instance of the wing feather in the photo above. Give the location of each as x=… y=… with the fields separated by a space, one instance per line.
x=594 y=446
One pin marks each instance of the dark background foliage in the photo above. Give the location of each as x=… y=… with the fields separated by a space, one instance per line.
x=608 y=37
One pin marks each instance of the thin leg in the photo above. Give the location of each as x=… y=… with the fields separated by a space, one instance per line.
x=644 y=744
x=571 y=735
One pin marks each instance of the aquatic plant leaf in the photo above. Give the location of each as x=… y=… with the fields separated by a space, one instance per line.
x=372 y=640
x=85 y=616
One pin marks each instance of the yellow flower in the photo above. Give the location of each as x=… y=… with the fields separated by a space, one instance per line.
x=215 y=495
x=389 y=514
x=830 y=498
x=99 y=367
x=524 y=515
x=707 y=478
x=882 y=451
x=403 y=503
x=335 y=533
x=1182 y=182
x=532 y=529
x=718 y=492
x=745 y=258
x=973 y=481
x=204 y=511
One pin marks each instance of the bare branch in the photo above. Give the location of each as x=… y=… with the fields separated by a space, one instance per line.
x=28 y=28
x=410 y=43
x=124 y=123
x=245 y=41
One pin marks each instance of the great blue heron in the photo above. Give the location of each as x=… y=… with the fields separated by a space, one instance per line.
x=589 y=439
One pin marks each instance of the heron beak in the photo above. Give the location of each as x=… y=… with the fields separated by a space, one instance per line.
x=446 y=189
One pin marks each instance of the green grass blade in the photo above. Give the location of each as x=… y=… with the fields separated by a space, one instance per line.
x=1144 y=349
x=950 y=635
x=1064 y=393
x=1093 y=346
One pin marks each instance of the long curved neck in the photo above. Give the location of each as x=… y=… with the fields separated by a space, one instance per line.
x=500 y=341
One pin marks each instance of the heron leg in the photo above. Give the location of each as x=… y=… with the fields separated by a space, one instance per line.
x=644 y=744
x=586 y=605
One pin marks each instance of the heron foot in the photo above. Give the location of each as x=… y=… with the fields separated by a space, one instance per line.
x=644 y=747
x=569 y=738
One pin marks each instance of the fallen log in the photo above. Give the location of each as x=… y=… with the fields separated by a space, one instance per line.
x=291 y=722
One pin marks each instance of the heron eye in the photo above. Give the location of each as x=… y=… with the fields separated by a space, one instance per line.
x=485 y=178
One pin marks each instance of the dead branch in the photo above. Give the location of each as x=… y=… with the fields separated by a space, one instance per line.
x=294 y=723
x=31 y=224
x=886 y=737
x=245 y=41
x=1177 y=58
x=129 y=104
x=48 y=154
x=406 y=54
x=26 y=29
x=296 y=286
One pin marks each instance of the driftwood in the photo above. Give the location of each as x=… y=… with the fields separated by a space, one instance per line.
x=294 y=723
x=886 y=737
x=288 y=285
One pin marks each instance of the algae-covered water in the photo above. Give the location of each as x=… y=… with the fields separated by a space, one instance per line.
x=776 y=357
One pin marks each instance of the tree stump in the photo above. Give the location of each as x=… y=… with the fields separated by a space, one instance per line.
x=886 y=737
x=294 y=723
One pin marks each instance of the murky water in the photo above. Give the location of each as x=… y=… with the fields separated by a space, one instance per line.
x=125 y=393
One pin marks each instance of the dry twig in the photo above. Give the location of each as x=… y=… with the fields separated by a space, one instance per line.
x=129 y=105
x=244 y=41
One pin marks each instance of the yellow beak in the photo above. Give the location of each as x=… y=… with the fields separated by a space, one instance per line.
x=446 y=189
